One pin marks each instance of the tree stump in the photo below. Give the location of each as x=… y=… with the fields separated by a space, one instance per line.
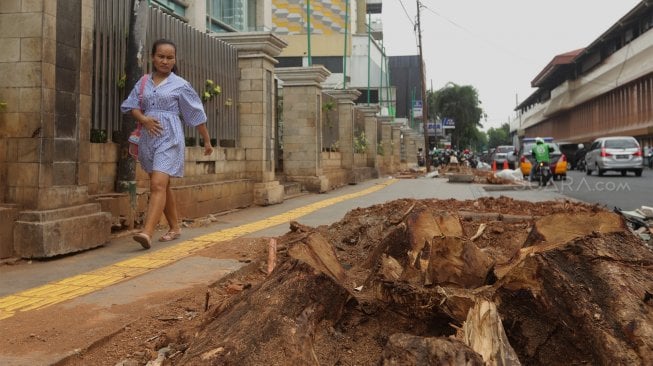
x=280 y=314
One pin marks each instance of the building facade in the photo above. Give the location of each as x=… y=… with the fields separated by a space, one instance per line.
x=603 y=89
x=345 y=36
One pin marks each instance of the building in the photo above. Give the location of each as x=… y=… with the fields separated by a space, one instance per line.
x=219 y=16
x=345 y=36
x=603 y=89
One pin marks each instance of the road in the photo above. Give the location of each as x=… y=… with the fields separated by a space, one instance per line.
x=611 y=190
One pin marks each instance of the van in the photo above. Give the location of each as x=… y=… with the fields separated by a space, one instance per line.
x=617 y=153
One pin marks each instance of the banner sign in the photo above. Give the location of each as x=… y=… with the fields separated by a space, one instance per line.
x=448 y=123
x=417 y=109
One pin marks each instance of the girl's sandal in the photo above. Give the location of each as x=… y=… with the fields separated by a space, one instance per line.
x=170 y=235
x=144 y=240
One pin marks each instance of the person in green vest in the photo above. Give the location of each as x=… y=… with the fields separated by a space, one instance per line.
x=541 y=153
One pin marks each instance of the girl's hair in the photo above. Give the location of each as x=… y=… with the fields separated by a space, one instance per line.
x=163 y=41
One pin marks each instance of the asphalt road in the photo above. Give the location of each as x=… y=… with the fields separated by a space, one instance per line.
x=612 y=190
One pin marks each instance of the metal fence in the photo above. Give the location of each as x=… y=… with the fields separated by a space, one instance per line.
x=200 y=57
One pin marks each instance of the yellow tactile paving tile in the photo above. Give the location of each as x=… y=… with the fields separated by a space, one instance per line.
x=143 y=262
x=10 y=301
x=90 y=280
x=82 y=284
x=123 y=272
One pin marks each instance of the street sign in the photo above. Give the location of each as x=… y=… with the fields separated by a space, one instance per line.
x=417 y=109
x=448 y=123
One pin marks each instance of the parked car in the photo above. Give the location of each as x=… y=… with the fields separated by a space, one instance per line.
x=504 y=153
x=618 y=153
x=558 y=164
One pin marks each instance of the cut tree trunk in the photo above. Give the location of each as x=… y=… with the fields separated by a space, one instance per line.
x=584 y=301
x=577 y=292
x=484 y=333
x=279 y=315
x=407 y=349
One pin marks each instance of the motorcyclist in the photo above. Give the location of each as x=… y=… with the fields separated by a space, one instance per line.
x=541 y=153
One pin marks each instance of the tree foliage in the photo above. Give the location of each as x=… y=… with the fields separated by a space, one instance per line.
x=499 y=136
x=461 y=104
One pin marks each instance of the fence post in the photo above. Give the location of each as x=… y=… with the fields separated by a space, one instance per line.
x=345 y=99
x=371 y=133
x=302 y=150
x=386 y=144
x=256 y=52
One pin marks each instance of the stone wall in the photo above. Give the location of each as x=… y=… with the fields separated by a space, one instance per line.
x=211 y=184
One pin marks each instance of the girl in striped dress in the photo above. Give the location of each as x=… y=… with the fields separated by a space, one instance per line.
x=164 y=98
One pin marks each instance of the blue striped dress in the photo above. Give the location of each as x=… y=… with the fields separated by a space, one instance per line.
x=172 y=98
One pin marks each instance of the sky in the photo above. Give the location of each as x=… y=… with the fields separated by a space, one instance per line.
x=496 y=46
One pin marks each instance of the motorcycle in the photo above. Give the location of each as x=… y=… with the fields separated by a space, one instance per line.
x=543 y=173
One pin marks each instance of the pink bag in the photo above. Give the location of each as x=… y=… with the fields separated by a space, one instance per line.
x=135 y=136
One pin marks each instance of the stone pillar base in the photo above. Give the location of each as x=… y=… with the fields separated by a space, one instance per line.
x=361 y=174
x=42 y=234
x=268 y=193
x=8 y=214
x=316 y=184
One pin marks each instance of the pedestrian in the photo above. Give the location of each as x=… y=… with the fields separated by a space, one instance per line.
x=157 y=106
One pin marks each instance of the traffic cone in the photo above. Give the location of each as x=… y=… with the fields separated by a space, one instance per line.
x=505 y=164
x=494 y=165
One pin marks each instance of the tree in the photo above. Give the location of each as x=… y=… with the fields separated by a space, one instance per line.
x=461 y=104
x=499 y=136
x=126 y=171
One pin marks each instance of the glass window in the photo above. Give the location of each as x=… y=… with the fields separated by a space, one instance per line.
x=171 y=6
x=231 y=15
x=621 y=144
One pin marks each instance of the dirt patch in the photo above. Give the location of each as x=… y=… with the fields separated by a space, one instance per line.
x=399 y=282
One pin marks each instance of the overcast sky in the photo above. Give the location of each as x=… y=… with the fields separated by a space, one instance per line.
x=496 y=46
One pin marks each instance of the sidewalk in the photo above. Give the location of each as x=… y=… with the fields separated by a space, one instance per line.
x=84 y=298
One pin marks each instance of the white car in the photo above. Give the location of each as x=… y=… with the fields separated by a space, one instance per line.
x=618 y=153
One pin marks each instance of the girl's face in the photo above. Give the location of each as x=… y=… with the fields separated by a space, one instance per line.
x=164 y=58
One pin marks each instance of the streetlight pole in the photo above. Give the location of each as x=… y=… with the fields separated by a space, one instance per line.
x=425 y=104
x=344 y=54
x=308 y=30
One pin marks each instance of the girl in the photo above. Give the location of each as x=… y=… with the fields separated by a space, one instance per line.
x=165 y=97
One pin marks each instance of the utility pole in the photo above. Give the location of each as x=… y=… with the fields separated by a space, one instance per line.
x=425 y=104
x=308 y=31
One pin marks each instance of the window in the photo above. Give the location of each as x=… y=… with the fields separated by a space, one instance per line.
x=231 y=15
x=289 y=62
x=332 y=63
x=621 y=144
x=171 y=7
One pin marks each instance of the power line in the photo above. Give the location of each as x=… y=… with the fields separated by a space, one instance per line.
x=490 y=42
x=401 y=2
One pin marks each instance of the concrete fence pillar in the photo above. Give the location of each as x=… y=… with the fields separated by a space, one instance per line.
x=371 y=133
x=302 y=129
x=45 y=128
x=385 y=143
x=396 y=148
x=345 y=99
x=257 y=106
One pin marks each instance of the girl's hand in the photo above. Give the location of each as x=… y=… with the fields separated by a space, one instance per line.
x=208 y=149
x=152 y=126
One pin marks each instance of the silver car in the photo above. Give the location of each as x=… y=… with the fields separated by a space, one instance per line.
x=617 y=153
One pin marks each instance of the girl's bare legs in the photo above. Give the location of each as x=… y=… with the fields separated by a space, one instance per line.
x=159 y=186
x=170 y=211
